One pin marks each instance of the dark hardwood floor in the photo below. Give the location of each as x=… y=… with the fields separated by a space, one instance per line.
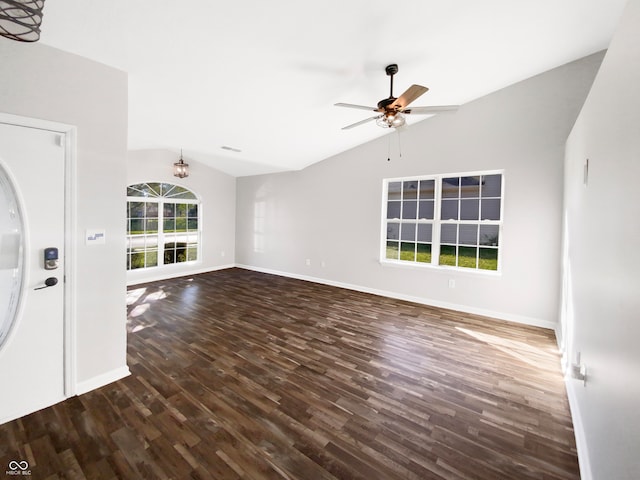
x=243 y=375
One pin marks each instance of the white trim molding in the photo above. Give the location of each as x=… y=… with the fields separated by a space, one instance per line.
x=578 y=430
x=102 y=380
x=535 y=322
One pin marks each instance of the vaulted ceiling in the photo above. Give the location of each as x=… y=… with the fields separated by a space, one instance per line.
x=263 y=77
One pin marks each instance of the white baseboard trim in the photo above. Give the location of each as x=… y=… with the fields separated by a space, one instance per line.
x=578 y=429
x=535 y=322
x=165 y=275
x=102 y=380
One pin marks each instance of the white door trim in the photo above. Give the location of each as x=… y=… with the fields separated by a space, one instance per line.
x=68 y=137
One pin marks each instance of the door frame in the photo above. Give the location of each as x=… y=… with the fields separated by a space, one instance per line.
x=68 y=140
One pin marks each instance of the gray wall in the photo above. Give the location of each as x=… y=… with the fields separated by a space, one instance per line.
x=217 y=193
x=42 y=82
x=330 y=212
x=601 y=317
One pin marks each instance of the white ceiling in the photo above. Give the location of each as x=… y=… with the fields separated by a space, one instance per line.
x=262 y=76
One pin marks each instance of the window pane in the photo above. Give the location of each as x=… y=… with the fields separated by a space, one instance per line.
x=151 y=209
x=137 y=260
x=425 y=232
x=153 y=188
x=492 y=185
x=424 y=253
x=470 y=187
x=468 y=235
x=449 y=234
x=169 y=255
x=169 y=209
x=467 y=257
x=488 y=259
x=137 y=226
x=167 y=188
x=447 y=255
x=142 y=190
x=181 y=224
x=192 y=254
x=408 y=232
x=175 y=191
x=393 y=231
x=490 y=209
x=151 y=226
x=192 y=210
x=426 y=209
x=181 y=252
x=469 y=209
x=152 y=258
x=192 y=224
x=410 y=209
x=450 y=187
x=449 y=210
x=392 y=250
x=427 y=189
x=169 y=224
x=410 y=190
x=489 y=235
x=181 y=209
x=408 y=251
x=136 y=209
x=395 y=191
x=393 y=209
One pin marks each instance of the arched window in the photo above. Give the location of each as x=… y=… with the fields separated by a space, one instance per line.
x=162 y=225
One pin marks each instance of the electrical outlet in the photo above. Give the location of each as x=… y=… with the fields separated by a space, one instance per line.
x=452 y=283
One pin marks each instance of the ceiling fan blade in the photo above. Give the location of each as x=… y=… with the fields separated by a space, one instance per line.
x=360 y=107
x=361 y=122
x=430 y=110
x=413 y=92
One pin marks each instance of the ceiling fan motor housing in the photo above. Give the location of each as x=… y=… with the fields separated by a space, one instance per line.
x=385 y=102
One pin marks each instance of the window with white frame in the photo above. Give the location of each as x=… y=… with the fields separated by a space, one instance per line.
x=162 y=225
x=445 y=220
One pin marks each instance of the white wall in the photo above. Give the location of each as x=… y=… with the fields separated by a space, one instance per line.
x=602 y=298
x=331 y=212
x=217 y=192
x=41 y=82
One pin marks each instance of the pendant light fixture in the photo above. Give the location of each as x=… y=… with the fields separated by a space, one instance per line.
x=180 y=169
x=21 y=19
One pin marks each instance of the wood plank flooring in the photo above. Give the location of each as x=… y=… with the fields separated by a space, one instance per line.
x=244 y=375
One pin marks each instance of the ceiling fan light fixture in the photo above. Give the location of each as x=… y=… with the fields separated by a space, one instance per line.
x=391 y=120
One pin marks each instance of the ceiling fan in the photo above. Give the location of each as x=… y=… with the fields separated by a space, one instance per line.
x=392 y=110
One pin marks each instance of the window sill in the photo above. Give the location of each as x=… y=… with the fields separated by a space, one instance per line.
x=441 y=268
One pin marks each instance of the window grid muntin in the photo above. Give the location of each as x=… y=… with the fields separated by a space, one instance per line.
x=154 y=247
x=462 y=192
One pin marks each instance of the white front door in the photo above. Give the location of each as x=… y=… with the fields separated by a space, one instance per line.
x=32 y=219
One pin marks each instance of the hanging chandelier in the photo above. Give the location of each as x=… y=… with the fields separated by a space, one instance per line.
x=21 y=19
x=180 y=169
